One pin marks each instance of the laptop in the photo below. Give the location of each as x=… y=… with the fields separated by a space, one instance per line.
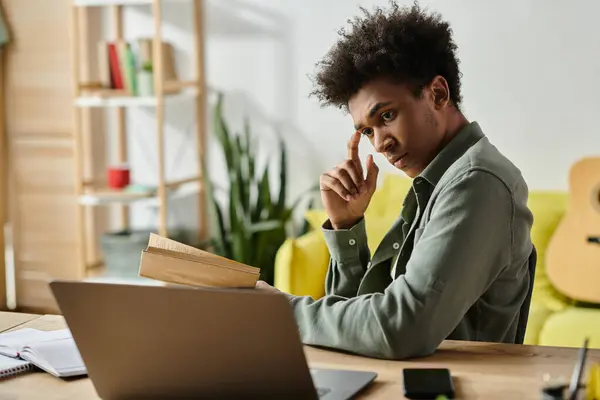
x=141 y=341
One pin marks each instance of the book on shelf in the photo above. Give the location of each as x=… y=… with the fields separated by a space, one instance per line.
x=104 y=68
x=170 y=261
x=120 y=62
x=54 y=352
x=146 y=51
x=128 y=66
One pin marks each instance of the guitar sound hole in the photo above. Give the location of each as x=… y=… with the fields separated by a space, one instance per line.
x=595 y=198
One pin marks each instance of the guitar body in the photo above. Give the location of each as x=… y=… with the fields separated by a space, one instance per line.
x=573 y=254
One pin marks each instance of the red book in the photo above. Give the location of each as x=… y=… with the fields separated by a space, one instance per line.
x=115 y=67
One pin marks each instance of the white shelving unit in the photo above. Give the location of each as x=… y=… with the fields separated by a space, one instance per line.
x=133 y=101
x=93 y=95
x=103 y=3
x=114 y=197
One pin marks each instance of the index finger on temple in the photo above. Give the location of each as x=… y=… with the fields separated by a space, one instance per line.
x=353 y=146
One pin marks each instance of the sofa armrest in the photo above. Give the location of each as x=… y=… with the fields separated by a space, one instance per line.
x=301 y=265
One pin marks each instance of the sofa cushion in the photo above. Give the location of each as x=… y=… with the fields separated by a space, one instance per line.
x=301 y=265
x=570 y=326
x=538 y=313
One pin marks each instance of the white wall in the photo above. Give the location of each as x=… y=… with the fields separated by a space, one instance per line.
x=530 y=77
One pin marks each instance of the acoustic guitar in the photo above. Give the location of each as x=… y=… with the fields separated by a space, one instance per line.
x=573 y=254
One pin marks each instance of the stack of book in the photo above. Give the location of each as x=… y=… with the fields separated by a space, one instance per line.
x=122 y=63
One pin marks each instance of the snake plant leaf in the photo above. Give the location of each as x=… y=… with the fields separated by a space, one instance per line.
x=286 y=214
x=265 y=226
x=262 y=234
x=223 y=244
x=239 y=244
x=236 y=179
x=222 y=131
x=215 y=215
x=269 y=243
x=262 y=207
x=235 y=154
x=260 y=239
x=248 y=150
x=264 y=196
x=238 y=225
x=251 y=167
x=247 y=143
x=243 y=157
x=282 y=179
x=242 y=176
x=233 y=209
x=243 y=191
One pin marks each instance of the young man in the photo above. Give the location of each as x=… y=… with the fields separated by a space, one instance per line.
x=455 y=265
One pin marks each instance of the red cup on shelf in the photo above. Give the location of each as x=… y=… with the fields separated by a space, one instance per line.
x=118 y=176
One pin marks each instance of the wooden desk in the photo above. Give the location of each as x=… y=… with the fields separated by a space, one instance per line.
x=9 y=320
x=480 y=370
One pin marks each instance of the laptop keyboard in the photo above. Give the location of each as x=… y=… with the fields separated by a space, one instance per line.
x=321 y=392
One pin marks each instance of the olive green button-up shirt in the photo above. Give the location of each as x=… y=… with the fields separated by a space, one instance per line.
x=454 y=265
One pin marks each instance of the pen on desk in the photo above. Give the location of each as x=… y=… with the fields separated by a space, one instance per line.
x=578 y=371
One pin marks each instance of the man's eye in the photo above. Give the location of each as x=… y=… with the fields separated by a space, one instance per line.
x=367 y=131
x=388 y=116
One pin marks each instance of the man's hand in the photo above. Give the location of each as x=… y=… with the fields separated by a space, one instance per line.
x=262 y=285
x=344 y=190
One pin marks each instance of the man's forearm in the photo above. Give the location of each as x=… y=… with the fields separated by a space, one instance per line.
x=368 y=325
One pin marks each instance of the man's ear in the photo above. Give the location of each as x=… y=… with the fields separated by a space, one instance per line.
x=440 y=92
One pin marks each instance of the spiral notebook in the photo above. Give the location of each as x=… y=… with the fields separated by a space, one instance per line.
x=13 y=366
x=29 y=349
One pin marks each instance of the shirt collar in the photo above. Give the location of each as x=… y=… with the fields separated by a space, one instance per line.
x=466 y=137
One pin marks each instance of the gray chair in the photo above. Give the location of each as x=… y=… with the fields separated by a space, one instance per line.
x=524 y=312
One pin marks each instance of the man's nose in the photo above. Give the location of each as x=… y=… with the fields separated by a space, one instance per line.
x=382 y=142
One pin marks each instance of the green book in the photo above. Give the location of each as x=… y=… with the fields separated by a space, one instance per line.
x=128 y=67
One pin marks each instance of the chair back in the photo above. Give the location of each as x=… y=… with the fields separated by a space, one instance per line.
x=524 y=312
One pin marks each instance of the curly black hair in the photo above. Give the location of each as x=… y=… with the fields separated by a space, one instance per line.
x=403 y=44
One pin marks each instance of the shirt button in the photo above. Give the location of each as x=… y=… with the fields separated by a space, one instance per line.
x=396 y=246
x=352 y=242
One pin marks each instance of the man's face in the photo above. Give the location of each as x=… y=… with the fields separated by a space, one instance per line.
x=407 y=130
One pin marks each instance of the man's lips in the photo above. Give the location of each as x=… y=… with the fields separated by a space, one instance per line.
x=398 y=162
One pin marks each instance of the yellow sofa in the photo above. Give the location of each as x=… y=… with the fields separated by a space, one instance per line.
x=301 y=264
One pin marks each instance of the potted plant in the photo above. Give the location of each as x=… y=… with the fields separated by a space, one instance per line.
x=252 y=223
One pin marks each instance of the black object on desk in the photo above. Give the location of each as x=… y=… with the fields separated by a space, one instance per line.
x=427 y=383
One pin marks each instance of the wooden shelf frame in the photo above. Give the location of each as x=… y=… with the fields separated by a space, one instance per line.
x=165 y=93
